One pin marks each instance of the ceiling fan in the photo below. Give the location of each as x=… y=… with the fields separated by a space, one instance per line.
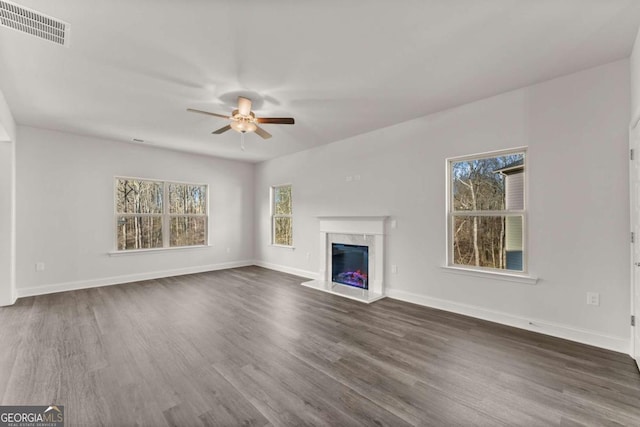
x=243 y=120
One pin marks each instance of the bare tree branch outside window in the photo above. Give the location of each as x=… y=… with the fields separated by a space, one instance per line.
x=281 y=216
x=156 y=214
x=486 y=212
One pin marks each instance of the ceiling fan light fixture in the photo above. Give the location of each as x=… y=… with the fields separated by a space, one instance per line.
x=244 y=120
x=243 y=126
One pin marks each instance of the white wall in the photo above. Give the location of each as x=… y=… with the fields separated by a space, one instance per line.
x=7 y=204
x=7 y=123
x=65 y=205
x=635 y=80
x=7 y=253
x=576 y=131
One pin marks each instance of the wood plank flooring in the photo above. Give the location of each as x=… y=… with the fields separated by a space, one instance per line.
x=250 y=346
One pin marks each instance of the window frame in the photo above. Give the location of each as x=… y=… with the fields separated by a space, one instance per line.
x=165 y=216
x=450 y=216
x=273 y=215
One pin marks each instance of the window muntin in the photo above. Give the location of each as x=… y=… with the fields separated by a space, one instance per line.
x=281 y=216
x=486 y=212
x=156 y=214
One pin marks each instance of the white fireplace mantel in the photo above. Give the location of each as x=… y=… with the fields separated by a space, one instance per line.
x=361 y=230
x=371 y=225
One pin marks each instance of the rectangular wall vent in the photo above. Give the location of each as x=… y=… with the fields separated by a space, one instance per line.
x=31 y=22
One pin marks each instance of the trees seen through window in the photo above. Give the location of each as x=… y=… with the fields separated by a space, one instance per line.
x=155 y=214
x=487 y=213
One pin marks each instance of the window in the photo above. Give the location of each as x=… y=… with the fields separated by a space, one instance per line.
x=487 y=214
x=281 y=219
x=156 y=214
x=187 y=214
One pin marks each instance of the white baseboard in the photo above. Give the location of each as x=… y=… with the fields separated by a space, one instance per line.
x=290 y=270
x=570 y=333
x=117 y=280
x=10 y=299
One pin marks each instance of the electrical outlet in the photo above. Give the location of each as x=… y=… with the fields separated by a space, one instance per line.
x=593 y=298
x=357 y=177
x=394 y=269
x=228 y=250
x=308 y=256
x=349 y=178
x=394 y=223
x=39 y=266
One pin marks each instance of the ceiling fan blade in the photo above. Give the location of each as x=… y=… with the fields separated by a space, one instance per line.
x=276 y=120
x=244 y=106
x=263 y=133
x=207 y=113
x=221 y=130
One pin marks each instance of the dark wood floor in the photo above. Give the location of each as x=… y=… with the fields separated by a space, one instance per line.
x=251 y=346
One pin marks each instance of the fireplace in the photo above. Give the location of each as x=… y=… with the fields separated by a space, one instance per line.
x=350 y=265
x=351 y=261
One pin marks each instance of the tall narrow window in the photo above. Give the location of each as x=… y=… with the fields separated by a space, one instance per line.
x=487 y=214
x=187 y=214
x=281 y=216
x=156 y=214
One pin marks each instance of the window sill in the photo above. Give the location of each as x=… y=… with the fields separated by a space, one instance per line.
x=154 y=250
x=282 y=246
x=509 y=277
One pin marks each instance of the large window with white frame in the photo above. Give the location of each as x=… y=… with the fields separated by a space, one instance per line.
x=487 y=211
x=281 y=215
x=153 y=214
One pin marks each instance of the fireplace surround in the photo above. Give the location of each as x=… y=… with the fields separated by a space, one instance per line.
x=352 y=231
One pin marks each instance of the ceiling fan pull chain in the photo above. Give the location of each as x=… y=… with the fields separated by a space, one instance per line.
x=242 y=141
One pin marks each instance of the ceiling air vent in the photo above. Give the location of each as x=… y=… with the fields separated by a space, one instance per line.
x=31 y=22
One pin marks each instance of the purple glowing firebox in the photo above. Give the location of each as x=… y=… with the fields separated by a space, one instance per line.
x=350 y=265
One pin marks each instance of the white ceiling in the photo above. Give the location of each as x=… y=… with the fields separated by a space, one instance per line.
x=340 y=67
